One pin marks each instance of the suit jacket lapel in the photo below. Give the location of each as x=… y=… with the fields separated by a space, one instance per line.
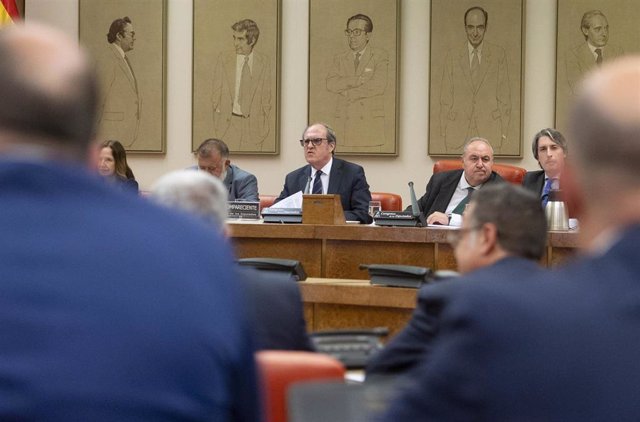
x=364 y=61
x=335 y=177
x=448 y=189
x=230 y=71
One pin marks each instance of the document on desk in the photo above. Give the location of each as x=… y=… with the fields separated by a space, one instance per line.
x=293 y=201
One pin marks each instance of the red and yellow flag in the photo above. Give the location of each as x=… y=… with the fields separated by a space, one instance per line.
x=8 y=12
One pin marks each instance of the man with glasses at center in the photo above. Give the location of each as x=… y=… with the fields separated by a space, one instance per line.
x=326 y=174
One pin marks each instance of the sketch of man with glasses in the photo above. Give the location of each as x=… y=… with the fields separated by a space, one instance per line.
x=119 y=110
x=359 y=78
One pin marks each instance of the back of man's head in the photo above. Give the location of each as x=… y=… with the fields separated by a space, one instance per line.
x=517 y=215
x=48 y=94
x=195 y=192
x=605 y=127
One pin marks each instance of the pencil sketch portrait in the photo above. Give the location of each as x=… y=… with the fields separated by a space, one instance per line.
x=590 y=32
x=234 y=84
x=127 y=42
x=475 y=87
x=352 y=79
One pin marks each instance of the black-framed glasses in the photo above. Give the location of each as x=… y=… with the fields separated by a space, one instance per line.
x=455 y=236
x=354 y=32
x=315 y=141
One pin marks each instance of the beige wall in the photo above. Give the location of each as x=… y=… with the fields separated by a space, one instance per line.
x=383 y=174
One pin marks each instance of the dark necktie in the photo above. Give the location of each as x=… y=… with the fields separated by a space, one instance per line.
x=245 y=83
x=475 y=64
x=135 y=82
x=545 y=191
x=459 y=209
x=599 y=56
x=356 y=62
x=317 y=183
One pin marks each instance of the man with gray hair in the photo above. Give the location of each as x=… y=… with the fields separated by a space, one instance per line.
x=563 y=346
x=550 y=149
x=108 y=307
x=274 y=304
x=213 y=157
x=448 y=192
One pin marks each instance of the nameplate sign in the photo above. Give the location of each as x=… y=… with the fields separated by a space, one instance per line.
x=244 y=209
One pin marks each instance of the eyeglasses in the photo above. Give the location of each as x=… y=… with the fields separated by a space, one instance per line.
x=315 y=141
x=455 y=236
x=354 y=32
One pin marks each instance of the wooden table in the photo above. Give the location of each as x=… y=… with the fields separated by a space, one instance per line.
x=331 y=304
x=337 y=251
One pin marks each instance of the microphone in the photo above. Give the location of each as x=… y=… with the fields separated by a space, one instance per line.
x=415 y=207
x=307 y=187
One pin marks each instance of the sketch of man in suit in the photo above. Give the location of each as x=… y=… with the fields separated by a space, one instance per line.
x=359 y=78
x=119 y=112
x=242 y=91
x=475 y=98
x=593 y=51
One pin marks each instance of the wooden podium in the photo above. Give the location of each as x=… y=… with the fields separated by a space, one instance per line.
x=322 y=209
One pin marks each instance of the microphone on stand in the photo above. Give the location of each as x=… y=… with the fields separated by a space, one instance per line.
x=307 y=187
x=415 y=207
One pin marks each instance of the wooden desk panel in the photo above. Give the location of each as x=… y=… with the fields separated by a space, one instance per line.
x=343 y=257
x=339 y=304
x=337 y=251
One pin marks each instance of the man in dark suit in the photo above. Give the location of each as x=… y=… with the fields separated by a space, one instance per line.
x=111 y=309
x=329 y=175
x=503 y=234
x=550 y=149
x=213 y=157
x=274 y=303
x=565 y=346
x=449 y=191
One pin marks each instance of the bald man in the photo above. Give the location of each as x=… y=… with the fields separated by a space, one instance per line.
x=111 y=309
x=566 y=347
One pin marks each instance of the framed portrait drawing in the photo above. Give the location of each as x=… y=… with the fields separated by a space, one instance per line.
x=475 y=75
x=353 y=72
x=127 y=40
x=236 y=74
x=590 y=32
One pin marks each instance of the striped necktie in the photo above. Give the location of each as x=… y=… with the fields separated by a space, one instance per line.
x=317 y=183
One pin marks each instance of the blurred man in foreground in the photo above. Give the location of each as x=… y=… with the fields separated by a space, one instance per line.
x=564 y=348
x=111 y=309
x=503 y=235
x=274 y=303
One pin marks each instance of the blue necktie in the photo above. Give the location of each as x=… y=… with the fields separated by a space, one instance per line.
x=317 y=183
x=545 y=192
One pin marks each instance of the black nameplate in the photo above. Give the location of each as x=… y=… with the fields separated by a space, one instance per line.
x=244 y=209
x=396 y=218
x=282 y=215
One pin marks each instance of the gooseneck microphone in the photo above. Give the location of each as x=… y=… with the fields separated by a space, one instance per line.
x=415 y=207
x=307 y=186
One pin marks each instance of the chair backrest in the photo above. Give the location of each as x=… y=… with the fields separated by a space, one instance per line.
x=388 y=201
x=508 y=172
x=280 y=368
x=266 y=201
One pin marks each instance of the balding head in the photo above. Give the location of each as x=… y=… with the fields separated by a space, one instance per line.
x=48 y=93
x=606 y=125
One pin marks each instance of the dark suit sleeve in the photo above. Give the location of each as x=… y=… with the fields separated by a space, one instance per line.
x=449 y=385
x=426 y=201
x=247 y=188
x=413 y=343
x=359 y=199
x=286 y=189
